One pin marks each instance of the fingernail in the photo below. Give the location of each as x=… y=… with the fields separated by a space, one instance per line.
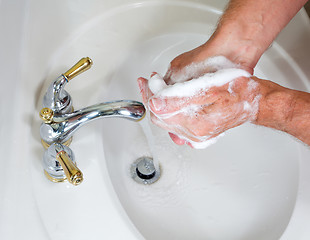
x=140 y=85
x=153 y=74
x=140 y=82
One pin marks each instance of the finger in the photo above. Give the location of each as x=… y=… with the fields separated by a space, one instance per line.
x=203 y=144
x=141 y=83
x=176 y=139
x=166 y=105
x=195 y=126
x=153 y=74
x=172 y=129
x=160 y=123
x=167 y=77
x=189 y=144
x=144 y=90
x=193 y=143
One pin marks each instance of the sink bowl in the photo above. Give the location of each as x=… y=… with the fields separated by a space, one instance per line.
x=246 y=183
x=252 y=184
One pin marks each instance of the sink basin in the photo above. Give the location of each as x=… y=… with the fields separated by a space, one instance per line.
x=254 y=183
x=246 y=183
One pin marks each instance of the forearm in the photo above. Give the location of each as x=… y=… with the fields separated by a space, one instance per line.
x=248 y=27
x=245 y=31
x=285 y=110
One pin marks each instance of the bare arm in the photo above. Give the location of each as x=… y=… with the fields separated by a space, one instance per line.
x=245 y=31
x=251 y=26
x=285 y=110
x=248 y=27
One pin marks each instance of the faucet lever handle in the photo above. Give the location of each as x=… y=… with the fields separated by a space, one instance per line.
x=59 y=165
x=72 y=172
x=58 y=99
x=81 y=66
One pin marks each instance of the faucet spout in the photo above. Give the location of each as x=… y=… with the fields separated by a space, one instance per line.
x=61 y=127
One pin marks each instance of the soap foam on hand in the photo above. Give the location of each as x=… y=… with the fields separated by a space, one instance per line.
x=223 y=72
x=194 y=86
x=195 y=70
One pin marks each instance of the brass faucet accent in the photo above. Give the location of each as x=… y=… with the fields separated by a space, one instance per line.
x=46 y=114
x=73 y=174
x=81 y=66
x=58 y=99
x=59 y=165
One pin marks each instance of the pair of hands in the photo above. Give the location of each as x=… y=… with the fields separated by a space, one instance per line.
x=218 y=108
x=242 y=37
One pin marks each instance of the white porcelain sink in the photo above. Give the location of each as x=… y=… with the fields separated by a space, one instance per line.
x=253 y=184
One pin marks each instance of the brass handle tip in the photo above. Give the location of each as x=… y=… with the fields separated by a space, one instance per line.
x=77 y=179
x=81 y=66
x=72 y=172
x=46 y=114
x=88 y=59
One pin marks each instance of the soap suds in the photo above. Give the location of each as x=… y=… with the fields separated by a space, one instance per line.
x=221 y=72
x=189 y=111
x=230 y=87
x=190 y=88
x=203 y=144
x=195 y=70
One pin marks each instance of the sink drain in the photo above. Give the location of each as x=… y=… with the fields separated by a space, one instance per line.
x=143 y=171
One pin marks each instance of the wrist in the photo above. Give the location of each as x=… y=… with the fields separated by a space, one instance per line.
x=233 y=41
x=284 y=109
x=276 y=106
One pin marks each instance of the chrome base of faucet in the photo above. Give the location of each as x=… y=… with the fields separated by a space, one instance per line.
x=56 y=98
x=59 y=165
x=54 y=179
x=66 y=143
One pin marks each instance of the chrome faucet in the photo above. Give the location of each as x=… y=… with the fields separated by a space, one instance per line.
x=60 y=128
x=58 y=99
x=60 y=122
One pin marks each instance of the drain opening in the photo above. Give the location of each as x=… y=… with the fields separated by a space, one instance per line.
x=143 y=171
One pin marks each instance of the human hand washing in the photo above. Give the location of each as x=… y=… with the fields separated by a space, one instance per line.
x=198 y=111
x=210 y=89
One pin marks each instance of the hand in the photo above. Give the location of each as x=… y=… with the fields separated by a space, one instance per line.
x=242 y=37
x=225 y=43
x=217 y=45
x=195 y=120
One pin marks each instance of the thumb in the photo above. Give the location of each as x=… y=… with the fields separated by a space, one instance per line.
x=144 y=90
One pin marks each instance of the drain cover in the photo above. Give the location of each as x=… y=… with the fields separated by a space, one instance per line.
x=143 y=171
